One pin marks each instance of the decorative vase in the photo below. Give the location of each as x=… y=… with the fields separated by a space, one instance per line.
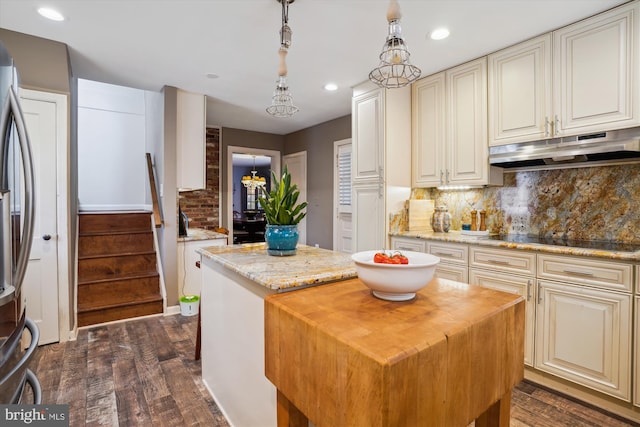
x=281 y=239
x=441 y=220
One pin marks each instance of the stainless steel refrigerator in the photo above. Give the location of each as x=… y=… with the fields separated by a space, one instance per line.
x=16 y=229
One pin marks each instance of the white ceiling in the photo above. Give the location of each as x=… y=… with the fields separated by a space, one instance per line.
x=147 y=44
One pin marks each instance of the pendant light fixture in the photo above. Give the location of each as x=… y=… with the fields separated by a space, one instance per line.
x=282 y=102
x=395 y=69
x=254 y=181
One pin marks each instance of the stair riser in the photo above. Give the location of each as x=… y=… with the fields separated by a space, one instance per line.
x=118 y=291
x=119 y=313
x=111 y=244
x=115 y=267
x=96 y=223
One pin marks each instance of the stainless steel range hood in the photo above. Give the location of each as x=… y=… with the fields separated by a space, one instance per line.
x=602 y=146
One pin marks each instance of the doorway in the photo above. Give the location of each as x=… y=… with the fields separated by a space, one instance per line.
x=235 y=185
x=251 y=180
x=46 y=284
x=297 y=167
x=342 y=223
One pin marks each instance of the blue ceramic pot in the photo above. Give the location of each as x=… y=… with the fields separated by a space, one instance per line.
x=281 y=239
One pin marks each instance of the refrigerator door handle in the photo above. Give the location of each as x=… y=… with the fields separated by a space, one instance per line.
x=27 y=161
x=32 y=380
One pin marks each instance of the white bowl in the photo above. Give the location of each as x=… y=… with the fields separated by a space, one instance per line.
x=395 y=282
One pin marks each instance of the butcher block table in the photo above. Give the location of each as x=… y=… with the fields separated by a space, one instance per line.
x=339 y=356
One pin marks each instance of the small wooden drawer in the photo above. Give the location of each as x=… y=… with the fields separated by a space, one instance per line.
x=506 y=260
x=459 y=273
x=587 y=271
x=408 y=244
x=450 y=252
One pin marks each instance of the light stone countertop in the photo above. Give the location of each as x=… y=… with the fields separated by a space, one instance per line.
x=456 y=237
x=194 y=234
x=310 y=265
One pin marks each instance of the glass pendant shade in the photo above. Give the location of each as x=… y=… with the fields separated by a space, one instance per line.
x=395 y=69
x=282 y=102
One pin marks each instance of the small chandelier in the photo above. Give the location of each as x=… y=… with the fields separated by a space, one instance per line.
x=394 y=70
x=282 y=102
x=252 y=182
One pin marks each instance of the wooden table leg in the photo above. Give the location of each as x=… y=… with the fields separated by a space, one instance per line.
x=288 y=414
x=198 y=336
x=498 y=414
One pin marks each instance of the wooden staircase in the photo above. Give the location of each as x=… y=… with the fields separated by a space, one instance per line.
x=117 y=270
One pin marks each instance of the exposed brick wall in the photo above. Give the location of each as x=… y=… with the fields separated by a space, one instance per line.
x=203 y=206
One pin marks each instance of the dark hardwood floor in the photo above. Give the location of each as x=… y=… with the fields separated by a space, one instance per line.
x=143 y=373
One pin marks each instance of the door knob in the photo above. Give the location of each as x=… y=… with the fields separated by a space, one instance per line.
x=47 y=237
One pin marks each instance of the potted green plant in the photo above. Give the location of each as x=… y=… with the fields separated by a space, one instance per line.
x=283 y=213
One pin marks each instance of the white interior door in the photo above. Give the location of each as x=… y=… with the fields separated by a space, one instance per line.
x=297 y=165
x=342 y=224
x=40 y=286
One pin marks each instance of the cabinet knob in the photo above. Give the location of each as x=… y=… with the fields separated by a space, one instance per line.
x=198 y=264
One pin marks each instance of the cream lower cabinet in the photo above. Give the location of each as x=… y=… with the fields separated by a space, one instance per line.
x=583 y=327
x=189 y=275
x=636 y=359
x=454 y=260
x=584 y=335
x=408 y=244
x=508 y=271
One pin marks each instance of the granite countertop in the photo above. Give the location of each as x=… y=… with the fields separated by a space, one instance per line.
x=456 y=237
x=310 y=265
x=194 y=234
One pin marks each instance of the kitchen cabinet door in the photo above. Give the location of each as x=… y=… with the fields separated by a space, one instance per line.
x=189 y=275
x=428 y=131
x=520 y=107
x=596 y=72
x=636 y=362
x=521 y=285
x=467 y=145
x=368 y=136
x=368 y=217
x=584 y=335
x=191 y=143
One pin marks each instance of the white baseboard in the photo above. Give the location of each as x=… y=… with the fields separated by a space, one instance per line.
x=174 y=309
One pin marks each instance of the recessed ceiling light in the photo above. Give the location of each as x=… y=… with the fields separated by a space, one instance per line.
x=331 y=87
x=49 y=13
x=439 y=34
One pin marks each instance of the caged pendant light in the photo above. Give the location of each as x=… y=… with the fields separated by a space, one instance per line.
x=394 y=69
x=282 y=102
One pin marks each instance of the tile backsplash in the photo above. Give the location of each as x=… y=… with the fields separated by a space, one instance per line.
x=592 y=203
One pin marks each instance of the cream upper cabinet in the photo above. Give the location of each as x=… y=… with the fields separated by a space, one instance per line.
x=191 y=141
x=449 y=128
x=428 y=127
x=520 y=92
x=368 y=136
x=579 y=79
x=596 y=73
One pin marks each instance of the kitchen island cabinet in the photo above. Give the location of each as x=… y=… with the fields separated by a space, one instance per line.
x=235 y=281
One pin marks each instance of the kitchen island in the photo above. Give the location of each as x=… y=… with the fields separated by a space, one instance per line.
x=437 y=332
x=235 y=281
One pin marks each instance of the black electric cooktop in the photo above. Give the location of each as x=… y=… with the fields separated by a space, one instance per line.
x=601 y=245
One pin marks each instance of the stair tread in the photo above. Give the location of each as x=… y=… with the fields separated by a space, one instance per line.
x=114 y=233
x=117 y=254
x=87 y=308
x=136 y=276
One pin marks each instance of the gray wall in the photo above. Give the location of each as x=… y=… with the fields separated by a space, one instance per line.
x=42 y=64
x=317 y=141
